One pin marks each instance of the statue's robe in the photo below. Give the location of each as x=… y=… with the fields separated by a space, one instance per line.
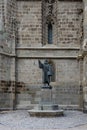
x=47 y=72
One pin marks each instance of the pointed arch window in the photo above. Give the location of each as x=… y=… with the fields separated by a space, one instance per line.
x=50 y=33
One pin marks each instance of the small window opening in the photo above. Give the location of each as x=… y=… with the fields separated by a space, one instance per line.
x=50 y=34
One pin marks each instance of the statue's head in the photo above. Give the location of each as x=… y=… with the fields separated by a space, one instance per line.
x=45 y=62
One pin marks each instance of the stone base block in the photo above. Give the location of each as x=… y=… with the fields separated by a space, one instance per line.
x=48 y=107
x=46 y=95
x=84 y=110
x=46 y=113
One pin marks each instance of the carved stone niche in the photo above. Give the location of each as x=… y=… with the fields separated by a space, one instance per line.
x=84 y=45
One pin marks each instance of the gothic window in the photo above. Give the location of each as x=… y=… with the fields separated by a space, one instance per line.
x=50 y=34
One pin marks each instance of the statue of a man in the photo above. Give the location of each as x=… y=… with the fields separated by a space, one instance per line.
x=47 y=71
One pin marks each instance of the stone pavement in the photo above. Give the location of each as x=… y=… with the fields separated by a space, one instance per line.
x=83 y=127
x=20 y=120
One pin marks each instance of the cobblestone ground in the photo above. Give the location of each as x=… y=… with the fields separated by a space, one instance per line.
x=20 y=120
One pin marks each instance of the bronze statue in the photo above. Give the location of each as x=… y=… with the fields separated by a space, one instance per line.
x=47 y=72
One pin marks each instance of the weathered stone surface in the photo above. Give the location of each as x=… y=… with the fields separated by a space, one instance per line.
x=26 y=30
x=29 y=23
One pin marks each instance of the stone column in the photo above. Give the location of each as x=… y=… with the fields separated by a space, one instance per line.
x=85 y=84
x=85 y=57
x=80 y=60
x=11 y=26
x=13 y=81
x=13 y=70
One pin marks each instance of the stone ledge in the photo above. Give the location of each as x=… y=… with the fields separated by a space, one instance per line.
x=42 y=57
x=46 y=48
x=69 y=107
x=7 y=54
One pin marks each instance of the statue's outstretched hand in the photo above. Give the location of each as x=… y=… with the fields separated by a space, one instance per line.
x=40 y=64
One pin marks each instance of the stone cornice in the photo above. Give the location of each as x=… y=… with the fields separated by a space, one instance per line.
x=44 y=57
x=41 y=56
x=37 y=57
x=47 y=48
x=7 y=54
x=44 y=52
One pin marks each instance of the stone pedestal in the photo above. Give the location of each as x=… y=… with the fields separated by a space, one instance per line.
x=46 y=95
x=46 y=99
x=46 y=107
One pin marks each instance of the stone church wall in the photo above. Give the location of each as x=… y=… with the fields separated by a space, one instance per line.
x=66 y=23
x=29 y=49
x=21 y=77
x=29 y=16
x=7 y=13
x=69 y=23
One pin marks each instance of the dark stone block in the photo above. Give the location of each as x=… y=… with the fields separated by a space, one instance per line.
x=55 y=107
x=46 y=87
x=85 y=110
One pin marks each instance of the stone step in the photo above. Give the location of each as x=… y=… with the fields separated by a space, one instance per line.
x=46 y=113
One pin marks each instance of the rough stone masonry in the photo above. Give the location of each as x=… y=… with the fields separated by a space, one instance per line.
x=24 y=34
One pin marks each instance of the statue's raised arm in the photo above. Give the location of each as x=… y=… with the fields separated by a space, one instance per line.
x=40 y=64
